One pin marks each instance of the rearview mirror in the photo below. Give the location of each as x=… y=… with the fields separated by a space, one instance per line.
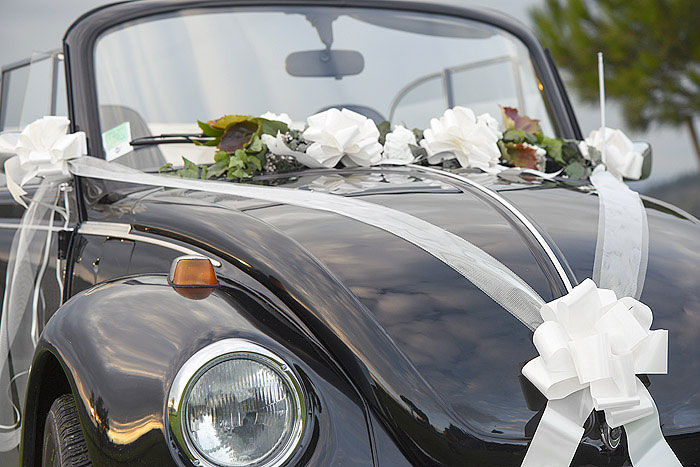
x=644 y=148
x=320 y=63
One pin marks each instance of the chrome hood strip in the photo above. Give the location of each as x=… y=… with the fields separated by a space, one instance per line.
x=124 y=231
x=515 y=211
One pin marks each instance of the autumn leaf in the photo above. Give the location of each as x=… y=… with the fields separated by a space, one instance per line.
x=238 y=136
x=514 y=121
x=525 y=156
x=227 y=120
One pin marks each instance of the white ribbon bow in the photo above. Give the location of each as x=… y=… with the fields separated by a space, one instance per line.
x=44 y=148
x=591 y=346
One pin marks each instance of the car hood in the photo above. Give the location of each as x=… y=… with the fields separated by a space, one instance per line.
x=441 y=359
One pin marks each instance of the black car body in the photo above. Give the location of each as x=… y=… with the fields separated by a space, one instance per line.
x=401 y=360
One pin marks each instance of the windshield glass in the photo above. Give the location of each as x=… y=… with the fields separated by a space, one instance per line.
x=162 y=74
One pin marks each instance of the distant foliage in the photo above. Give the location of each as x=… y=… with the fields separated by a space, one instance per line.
x=651 y=48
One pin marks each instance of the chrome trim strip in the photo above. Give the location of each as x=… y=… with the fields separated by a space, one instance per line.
x=119 y=230
x=15 y=226
x=204 y=359
x=515 y=211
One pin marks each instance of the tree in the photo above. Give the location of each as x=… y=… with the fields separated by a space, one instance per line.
x=651 y=49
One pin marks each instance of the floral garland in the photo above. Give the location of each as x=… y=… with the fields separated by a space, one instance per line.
x=273 y=143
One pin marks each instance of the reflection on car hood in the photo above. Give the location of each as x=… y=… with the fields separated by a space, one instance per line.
x=465 y=350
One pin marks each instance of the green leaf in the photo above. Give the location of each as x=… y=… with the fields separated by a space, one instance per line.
x=212 y=142
x=166 y=167
x=236 y=162
x=255 y=145
x=384 y=129
x=237 y=173
x=241 y=155
x=221 y=156
x=256 y=162
x=577 y=170
x=553 y=146
x=208 y=130
x=218 y=169
x=190 y=169
x=418 y=133
x=271 y=127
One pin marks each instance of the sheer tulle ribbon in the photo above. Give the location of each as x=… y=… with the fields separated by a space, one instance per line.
x=44 y=148
x=591 y=346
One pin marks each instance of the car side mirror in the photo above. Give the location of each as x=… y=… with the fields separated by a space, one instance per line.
x=644 y=148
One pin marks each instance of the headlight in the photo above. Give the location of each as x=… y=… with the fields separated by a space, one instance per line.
x=234 y=403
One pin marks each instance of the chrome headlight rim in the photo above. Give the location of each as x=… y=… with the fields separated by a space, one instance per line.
x=204 y=359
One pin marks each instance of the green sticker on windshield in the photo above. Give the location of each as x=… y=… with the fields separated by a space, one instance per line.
x=116 y=141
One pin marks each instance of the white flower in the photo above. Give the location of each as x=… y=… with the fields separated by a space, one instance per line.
x=284 y=118
x=621 y=159
x=277 y=146
x=396 y=147
x=342 y=134
x=460 y=134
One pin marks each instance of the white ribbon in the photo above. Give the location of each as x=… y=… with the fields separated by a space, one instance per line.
x=483 y=270
x=44 y=148
x=591 y=346
x=623 y=237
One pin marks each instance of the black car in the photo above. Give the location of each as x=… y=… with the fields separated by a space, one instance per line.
x=337 y=343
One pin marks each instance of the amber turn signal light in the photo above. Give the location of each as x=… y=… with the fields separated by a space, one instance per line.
x=193 y=277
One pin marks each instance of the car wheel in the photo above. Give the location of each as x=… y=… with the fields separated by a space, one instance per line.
x=64 y=443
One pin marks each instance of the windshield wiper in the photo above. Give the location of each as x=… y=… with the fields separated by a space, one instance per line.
x=172 y=138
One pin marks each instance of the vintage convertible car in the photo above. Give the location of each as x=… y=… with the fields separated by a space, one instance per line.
x=320 y=340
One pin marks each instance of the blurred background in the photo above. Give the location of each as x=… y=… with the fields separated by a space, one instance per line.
x=652 y=68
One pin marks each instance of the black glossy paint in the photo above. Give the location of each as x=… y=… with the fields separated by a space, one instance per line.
x=436 y=360
x=404 y=361
x=122 y=342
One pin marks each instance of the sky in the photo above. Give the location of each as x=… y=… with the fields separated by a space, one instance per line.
x=28 y=26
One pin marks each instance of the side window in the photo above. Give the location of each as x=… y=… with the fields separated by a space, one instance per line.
x=14 y=84
x=31 y=89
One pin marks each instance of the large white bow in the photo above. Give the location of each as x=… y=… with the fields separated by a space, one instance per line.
x=44 y=148
x=591 y=346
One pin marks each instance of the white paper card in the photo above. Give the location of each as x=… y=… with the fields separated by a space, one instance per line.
x=116 y=141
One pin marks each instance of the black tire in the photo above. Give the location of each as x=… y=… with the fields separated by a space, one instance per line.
x=64 y=443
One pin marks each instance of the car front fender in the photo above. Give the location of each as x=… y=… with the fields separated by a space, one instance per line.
x=120 y=344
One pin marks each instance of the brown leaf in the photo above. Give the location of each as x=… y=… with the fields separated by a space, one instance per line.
x=521 y=155
x=514 y=121
x=238 y=136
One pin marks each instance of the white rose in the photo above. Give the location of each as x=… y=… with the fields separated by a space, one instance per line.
x=396 y=147
x=284 y=118
x=277 y=146
x=621 y=159
x=460 y=134
x=342 y=134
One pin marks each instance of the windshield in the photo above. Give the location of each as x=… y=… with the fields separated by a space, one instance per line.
x=163 y=74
